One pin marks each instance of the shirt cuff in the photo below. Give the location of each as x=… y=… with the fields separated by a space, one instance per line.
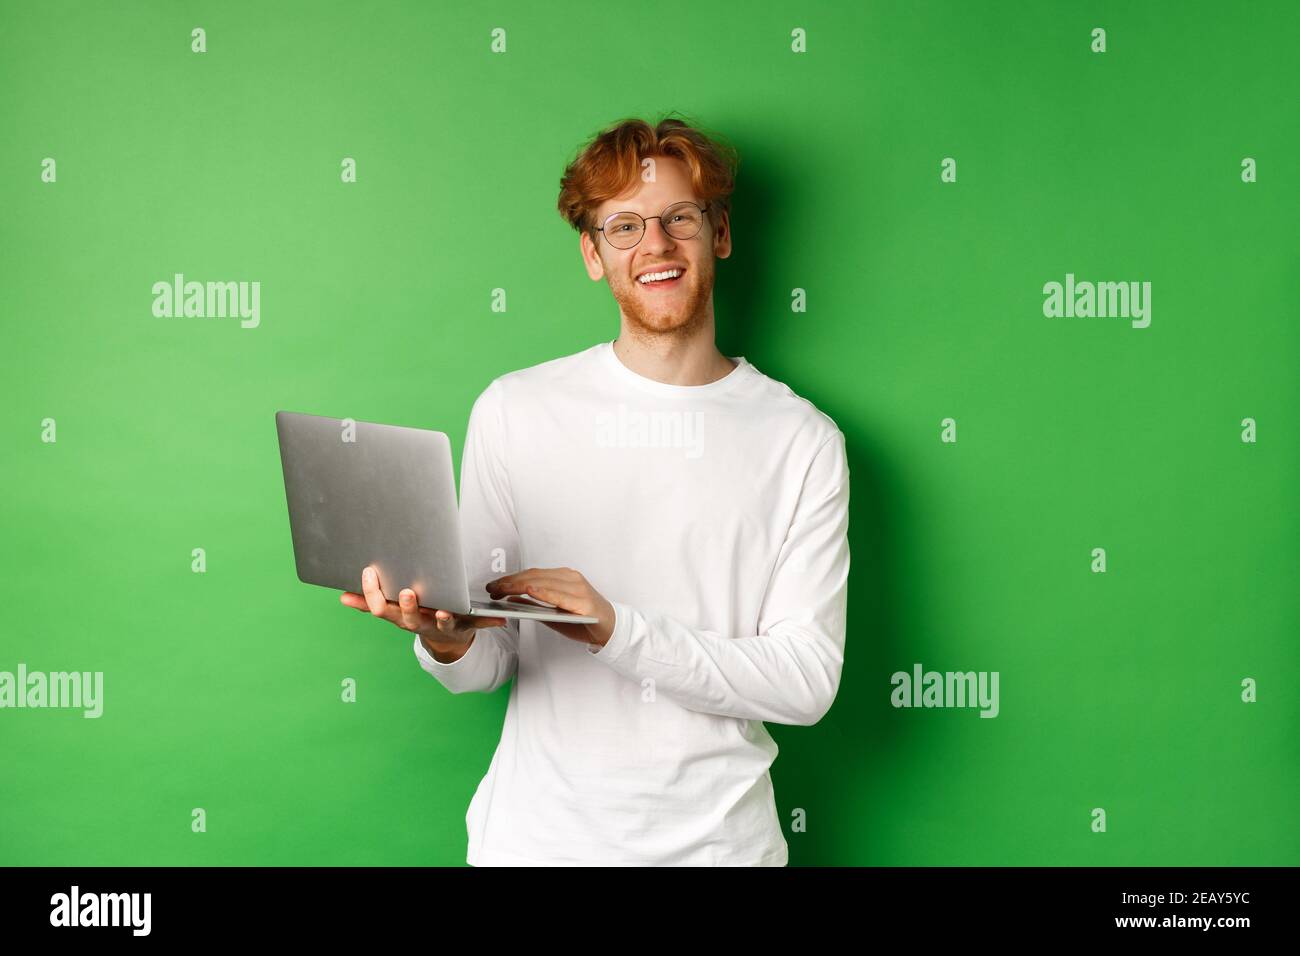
x=432 y=663
x=619 y=638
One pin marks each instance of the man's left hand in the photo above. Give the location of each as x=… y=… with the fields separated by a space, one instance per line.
x=567 y=590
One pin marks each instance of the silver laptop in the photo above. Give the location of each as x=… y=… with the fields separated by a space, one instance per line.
x=382 y=495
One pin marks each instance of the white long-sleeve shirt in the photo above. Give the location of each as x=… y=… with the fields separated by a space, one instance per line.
x=714 y=519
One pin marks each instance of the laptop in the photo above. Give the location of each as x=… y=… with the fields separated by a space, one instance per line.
x=382 y=495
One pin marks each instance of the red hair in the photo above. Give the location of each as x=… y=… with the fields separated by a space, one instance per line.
x=610 y=164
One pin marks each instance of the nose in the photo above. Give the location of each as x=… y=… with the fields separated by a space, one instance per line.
x=656 y=237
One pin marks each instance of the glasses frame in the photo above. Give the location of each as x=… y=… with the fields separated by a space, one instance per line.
x=644 y=219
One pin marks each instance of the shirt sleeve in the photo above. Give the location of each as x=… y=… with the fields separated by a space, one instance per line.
x=490 y=540
x=789 y=672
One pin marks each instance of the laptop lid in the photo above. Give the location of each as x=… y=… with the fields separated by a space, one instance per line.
x=368 y=493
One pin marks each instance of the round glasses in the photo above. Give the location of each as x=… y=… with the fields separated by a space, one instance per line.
x=682 y=220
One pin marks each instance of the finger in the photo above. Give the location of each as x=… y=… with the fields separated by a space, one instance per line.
x=444 y=621
x=518 y=577
x=518 y=583
x=375 y=599
x=409 y=609
x=354 y=600
x=526 y=600
x=570 y=593
x=561 y=599
x=531 y=594
x=558 y=596
x=567 y=574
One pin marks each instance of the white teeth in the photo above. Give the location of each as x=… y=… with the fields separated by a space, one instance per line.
x=656 y=276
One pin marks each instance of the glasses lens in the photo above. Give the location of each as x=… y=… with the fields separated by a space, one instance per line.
x=624 y=230
x=683 y=221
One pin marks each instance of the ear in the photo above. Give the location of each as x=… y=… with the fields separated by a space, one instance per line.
x=722 y=234
x=591 y=257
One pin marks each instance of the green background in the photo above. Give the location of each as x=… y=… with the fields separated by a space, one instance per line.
x=1118 y=690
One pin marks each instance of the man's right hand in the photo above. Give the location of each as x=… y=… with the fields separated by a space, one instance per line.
x=446 y=635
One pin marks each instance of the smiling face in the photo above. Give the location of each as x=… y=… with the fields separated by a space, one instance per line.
x=677 y=306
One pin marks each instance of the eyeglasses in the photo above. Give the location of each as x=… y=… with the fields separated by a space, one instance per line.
x=682 y=220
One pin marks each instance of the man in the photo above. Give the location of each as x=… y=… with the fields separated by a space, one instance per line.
x=697 y=508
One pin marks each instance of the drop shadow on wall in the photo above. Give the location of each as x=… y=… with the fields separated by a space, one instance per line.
x=831 y=774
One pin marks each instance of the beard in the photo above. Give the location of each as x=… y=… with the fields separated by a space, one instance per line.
x=679 y=314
